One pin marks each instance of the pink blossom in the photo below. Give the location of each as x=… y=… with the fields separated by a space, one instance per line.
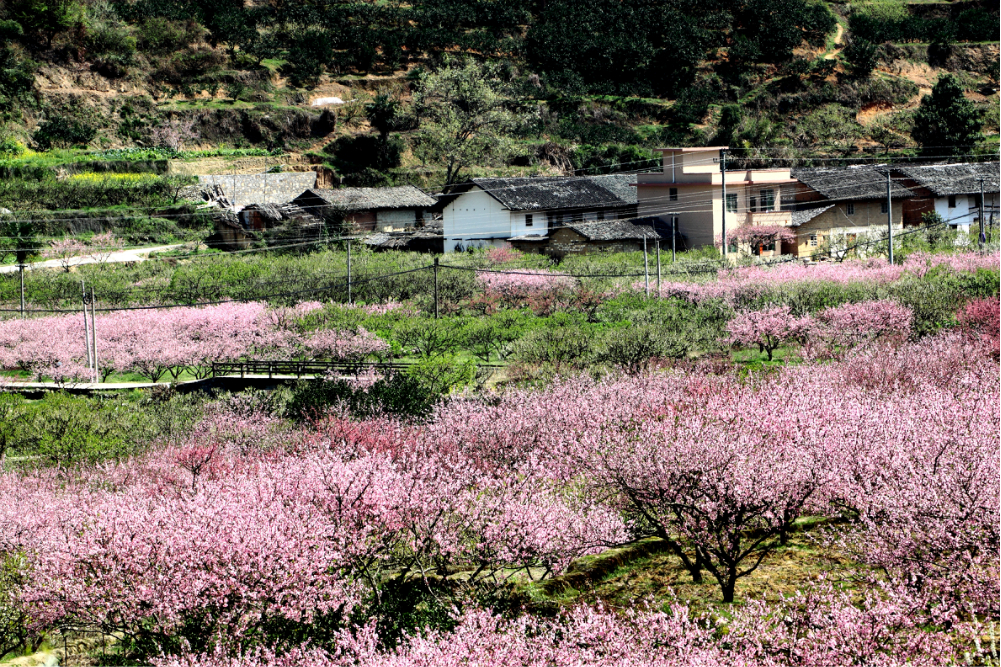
x=767 y=329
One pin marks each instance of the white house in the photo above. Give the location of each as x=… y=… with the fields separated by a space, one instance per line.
x=952 y=191
x=489 y=211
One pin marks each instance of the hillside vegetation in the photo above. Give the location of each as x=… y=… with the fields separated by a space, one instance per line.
x=581 y=87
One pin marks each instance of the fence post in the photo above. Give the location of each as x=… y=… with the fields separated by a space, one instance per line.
x=658 y=268
x=436 y=288
x=20 y=270
x=674 y=235
x=349 y=271
x=86 y=325
x=646 y=268
x=93 y=333
x=889 y=215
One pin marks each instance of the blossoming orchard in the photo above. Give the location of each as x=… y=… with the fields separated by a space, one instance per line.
x=760 y=466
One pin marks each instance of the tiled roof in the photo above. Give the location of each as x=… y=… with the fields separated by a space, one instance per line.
x=244 y=189
x=529 y=237
x=850 y=183
x=803 y=217
x=367 y=199
x=954 y=179
x=547 y=194
x=621 y=185
x=613 y=230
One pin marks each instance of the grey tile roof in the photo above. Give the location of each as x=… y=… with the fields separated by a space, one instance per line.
x=613 y=230
x=530 y=237
x=547 y=194
x=954 y=179
x=367 y=199
x=621 y=185
x=850 y=183
x=803 y=217
x=244 y=189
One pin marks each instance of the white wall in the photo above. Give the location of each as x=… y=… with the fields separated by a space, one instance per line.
x=539 y=223
x=962 y=215
x=474 y=217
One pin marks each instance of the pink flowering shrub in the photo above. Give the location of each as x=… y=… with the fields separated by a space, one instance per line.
x=159 y=343
x=766 y=329
x=345 y=346
x=501 y=255
x=835 y=330
x=981 y=318
x=102 y=246
x=201 y=549
x=524 y=280
x=746 y=284
x=65 y=251
x=758 y=235
x=817 y=629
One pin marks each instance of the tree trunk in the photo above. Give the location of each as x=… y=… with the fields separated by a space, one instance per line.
x=729 y=584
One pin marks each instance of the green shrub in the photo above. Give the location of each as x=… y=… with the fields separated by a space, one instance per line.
x=634 y=348
x=63 y=132
x=426 y=338
x=351 y=155
x=440 y=376
x=861 y=57
x=562 y=344
x=399 y=394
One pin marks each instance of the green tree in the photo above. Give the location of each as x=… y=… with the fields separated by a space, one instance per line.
x=861 y=57
x=383 y=114
x=46 y=18
x=464 y=117
x=20 y=238
x=946 y=121
x=623 y=46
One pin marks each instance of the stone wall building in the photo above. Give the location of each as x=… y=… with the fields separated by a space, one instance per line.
x=842 y=207
x=578 y=238
x=370 y=209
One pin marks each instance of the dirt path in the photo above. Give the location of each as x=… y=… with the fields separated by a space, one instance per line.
x=133 y=255
x=839 y=37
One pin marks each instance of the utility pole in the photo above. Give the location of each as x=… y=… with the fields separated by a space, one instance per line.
x=722 y=168
x=349 y=271
x=646 y=267
x=436 y=288
x=20 y=270
x=889 y=214
x=983 y=236
x=86 y=325
x=93 y=333
x=658 y=268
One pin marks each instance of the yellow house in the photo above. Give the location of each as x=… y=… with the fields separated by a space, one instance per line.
x=843 y=207
x=689 y=191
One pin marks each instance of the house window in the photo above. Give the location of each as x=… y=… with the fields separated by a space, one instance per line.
x=813 y=240
x=528 y=219
x=753 y=204
x=673 y=192
x=731 y=203
x=882 y=207
x=952 y=201
x=850 y=208
x=768 y=200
